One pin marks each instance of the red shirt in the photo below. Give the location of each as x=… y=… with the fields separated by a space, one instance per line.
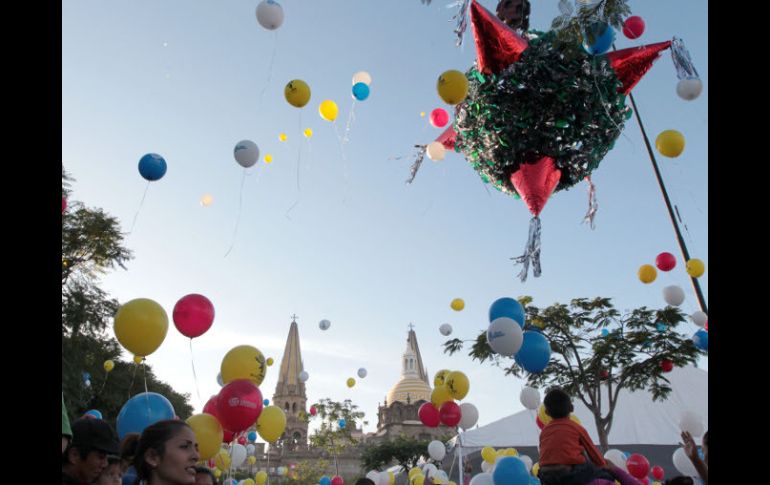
x=563 y=441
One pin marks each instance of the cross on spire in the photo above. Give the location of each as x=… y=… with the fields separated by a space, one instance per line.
x=411 y=327
x=294 y=318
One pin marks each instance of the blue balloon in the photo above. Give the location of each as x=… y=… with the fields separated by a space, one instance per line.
x=143 y=410
x=534 y=481
x=661 y=327
x=325 y=480
x=627 y=454
x=95 y=413
x=360 y=91
x=152 y=167
x=605 y=332
x=266 y=402
x=129 y=477
x=507 y=307
x=603 y=36
x=252 y=436
x=342 y=423
x=535 y=352
x=510 y=471
x=86 y=376
x=701 y=340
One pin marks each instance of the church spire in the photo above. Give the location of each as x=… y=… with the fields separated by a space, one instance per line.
x=291 y=364
x=290 y=393
x=415 y=349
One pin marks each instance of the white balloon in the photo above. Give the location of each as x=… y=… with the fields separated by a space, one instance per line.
x=689 y=89
x=436 y=450
x=617 y=458
x=373 y=475
x=270 y=14
x=441 y=476
x=383 y=479
x=483 y=478
x=250 y=449
x=429 y=469
x=699 y=318
x=436 y=151
x=88 y=383
x=470 y=415
x=362 y=77
x=303 y=376
x=238 y=454
x=324 y=324
x=530 y=397
x=486 y=466
x=683 y=464
x=673 y=295
x=527 y=461
x=219 y=380
x=362 y=373
x=445 y=329
x=246 y=153
x=505 y=336
x=692 y=423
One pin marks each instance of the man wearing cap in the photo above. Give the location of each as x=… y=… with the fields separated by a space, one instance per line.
x=86 y=456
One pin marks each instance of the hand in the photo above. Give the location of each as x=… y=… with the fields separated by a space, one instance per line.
x=690 y=449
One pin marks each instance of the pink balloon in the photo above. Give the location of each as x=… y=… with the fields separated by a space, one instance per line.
x=193 y=315
x=239 y=405
x=313 y=411
x=665 y=261
x=633 y=27
x=242 y=440
x=337 y=480
x=450 y=413
x=429 y=415
x=439 y=117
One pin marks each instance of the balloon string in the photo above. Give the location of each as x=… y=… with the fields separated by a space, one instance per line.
x=268 y=467
x=349 y=124
x=238 y=218
x=344 y=161
x=146 y=392
x=141 y=204
x=133 y=378
x=299 y=160
x=269 y=71
x=195 y=376
x=106 y=376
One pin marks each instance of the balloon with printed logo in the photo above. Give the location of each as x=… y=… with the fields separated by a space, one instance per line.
x=193 y=315
x=470 y=415
x=141 y=326
x=440 y=377
x=152 y=167
x=239 y=405
x=109 y=365
x=458 y=384
x=271 y=423
x=297 y=93
x=429 y=415
x=243 y=362
x=505 y=336
x=269 y=14
x=208 y=433
x=450 y=414
x=142 y=410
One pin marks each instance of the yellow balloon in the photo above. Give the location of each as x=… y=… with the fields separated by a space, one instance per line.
x=207 y=200
x=499 y=453
x=141 y=326
x=419 y=480
x=452 y=87
x=440 y=377
x=458 y=384
x=647 y=273
x=271 y=423
x=391 y=478
x=282 y=137
x=297 y=93
x=109 y=365
x=457 y=304
x=261 y=477
x=138 y=359
x=695 y=268
x=251 y=460
x=268 y=158
x=422 y=114
x=450 y=482
x=308 y=133
x=438 y=480
x=248 y=481
x=535 y=469
x=243 y=362
x=489 y=455
x=269 y=361
x=575 y=419
x=511 y=452
x=208 y=433
x=413 y=480
x=670 y=143
x=440 y=395
x=351 y=382
x=414 y=471
x=217 y=473
x=222 y=460
x=544 y=417
x=328 y=110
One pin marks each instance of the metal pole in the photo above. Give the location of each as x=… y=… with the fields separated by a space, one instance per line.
x=460 y=471
x=682 y=245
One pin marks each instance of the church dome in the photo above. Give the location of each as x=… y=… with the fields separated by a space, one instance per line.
x=411 y=386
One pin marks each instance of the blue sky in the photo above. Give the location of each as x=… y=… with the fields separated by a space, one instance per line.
x=360 y=248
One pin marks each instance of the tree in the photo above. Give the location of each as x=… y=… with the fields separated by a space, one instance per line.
x=405 y=451
x=592 y=367
x=308 y=472
x=330 y=436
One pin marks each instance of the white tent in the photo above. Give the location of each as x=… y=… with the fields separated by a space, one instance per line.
x=637 y=420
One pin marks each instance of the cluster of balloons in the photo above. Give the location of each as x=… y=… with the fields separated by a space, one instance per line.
x=335 y=480
x=448 y=386
x=383 y=478
x=505 y=466
x=543 y=418
x=506 y=336
x=637 y=465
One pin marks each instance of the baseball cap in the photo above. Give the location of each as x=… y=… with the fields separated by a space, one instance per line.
x=96 y=434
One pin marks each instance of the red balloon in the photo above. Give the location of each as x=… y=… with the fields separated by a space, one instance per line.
x=450 y=413
x=228 y=436
x=539 y=422
x=638 y=466
x=429 y=415
x=242 y=440
x=667 y=365
x=657 y=472
x=212 y=463
x=439 y=117
x=665 y=261
x=706 y=326
x=239 y=405
x=645 y=481
x=193 y=315
x=313 y=411
x=211 y=406
x=337 y=480
x=63 y=205
x=605 y=374
x=633 y=27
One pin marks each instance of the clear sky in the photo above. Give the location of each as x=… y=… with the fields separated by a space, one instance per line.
x=360 y=248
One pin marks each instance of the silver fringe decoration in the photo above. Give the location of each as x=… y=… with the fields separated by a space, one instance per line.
x=685 y=69
x=593 y=205
x=421 y=151
x=531 y=251
x=461 y=19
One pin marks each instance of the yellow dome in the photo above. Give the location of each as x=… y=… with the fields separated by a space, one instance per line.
x=414 y=387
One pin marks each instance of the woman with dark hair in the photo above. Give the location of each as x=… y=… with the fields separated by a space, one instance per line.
x=166 y=454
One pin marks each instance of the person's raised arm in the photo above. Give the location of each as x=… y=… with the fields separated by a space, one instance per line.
x=691 y=450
